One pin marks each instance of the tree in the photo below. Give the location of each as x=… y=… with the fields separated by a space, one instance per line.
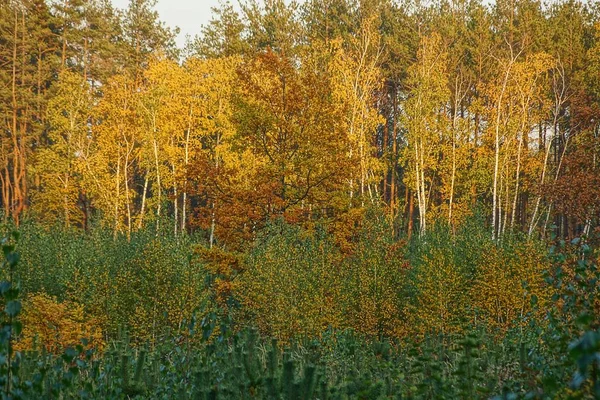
x=273 y=26
x=210 y=131
x=117 y=139
x=516 y=105
x=356 y=77
x=426 y=120
x=145 y=34
x=327 y=20
x=27 y=43
x=224 y=34
x=60 y=166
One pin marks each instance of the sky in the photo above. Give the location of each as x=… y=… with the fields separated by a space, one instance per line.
x=188 y=15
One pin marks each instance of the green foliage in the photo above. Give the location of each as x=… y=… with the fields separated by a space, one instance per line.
x=297 y=282
x=148 y=284
x=10 y=326
x=292 y=283
x=375 y=288
x=301 y=139
x=550 y=350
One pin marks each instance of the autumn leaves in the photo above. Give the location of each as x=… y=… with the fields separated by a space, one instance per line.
x=308 y=112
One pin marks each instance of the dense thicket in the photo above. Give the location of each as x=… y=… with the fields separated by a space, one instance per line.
x=291 y=283
x=308 y=111
x=549 y=351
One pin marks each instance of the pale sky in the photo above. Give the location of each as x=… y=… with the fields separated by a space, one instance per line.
x=188 y=15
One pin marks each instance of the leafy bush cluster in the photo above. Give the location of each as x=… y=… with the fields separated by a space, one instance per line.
x=300 y=282
x=147 y=284
x=450 y=315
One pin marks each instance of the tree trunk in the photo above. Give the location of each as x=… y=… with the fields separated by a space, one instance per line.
x=158 y=183
x=517 y=182
x=117 y=195
x=143 y=207
x=495 y=201
x=175 y=202
x=393 y=188
x=127 y=199
x=411 y=207
x=186 y=161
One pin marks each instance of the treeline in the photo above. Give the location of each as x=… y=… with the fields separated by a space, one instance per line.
x=310 y=112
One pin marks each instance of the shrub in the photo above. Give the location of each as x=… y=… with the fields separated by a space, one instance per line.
x=56 y=325
x=375 y=290
x=509 y=281
x=291 y=285
x=440 y=279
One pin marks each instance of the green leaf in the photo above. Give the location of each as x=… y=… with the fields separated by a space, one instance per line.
x=13 y=308
x=12 y=259
x=534 y=300
x=18 y=327
x=8 y=249
x=4 y=287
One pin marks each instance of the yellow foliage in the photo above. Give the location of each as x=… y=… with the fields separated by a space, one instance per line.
x=506 y=283
x=379 y=311
x=162 y=295
x=149 y=294
x=56 y=326
x=289 y=291
x=442 y=297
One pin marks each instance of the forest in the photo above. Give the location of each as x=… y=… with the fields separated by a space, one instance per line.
x=318 y=199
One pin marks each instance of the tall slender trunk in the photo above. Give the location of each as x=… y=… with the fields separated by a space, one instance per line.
x=559 y=87
x=213 y=205
x=184 y=209
x=495 y=208
x=22 y=181
x=424 y=196
x=117 y=195
x=127 y=199
x=11 y=202
x=411 y=209
x=362 y=169
x=499 y=222
x=143 y=206
x=506 y=204
x=175 y=202
x=386 y=172
x=533 y=222
x=158 y=182
x=393 y=197
x=556 y=175
x=17 y=203
x=39 y=84
x=547 y=220
x=186 y=161
x=418 y=187
x=66 y=199
x=495 y=202
x=453 y=177
x=212 y=226
x=5 y=179
x=517 y=182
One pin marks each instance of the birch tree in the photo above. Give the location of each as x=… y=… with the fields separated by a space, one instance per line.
x=426 y=120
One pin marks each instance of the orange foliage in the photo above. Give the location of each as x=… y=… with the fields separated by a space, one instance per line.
x=56 y=326
x=506 y=283
x=223 y=265
x=577 y=192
